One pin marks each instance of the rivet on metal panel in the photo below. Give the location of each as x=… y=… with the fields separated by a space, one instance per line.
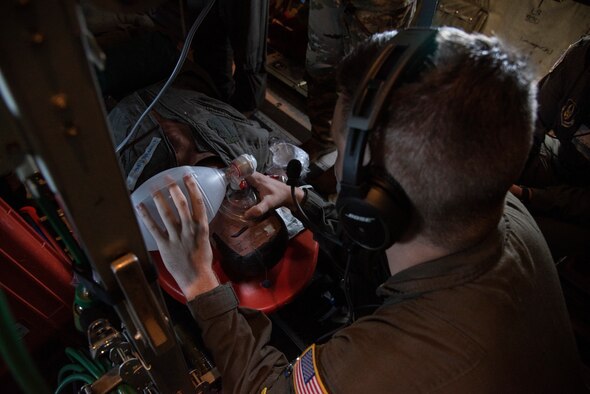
x=72 y=131
x=59 y=100
x=37 y=38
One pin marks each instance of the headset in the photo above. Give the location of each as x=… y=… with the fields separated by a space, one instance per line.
x=373 y=208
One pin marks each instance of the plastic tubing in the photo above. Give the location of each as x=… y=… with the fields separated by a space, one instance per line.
x=16 y=356
x=69 y=368
x=77 y=377
x=125 y=389
x=74 y=355
x=179 y=63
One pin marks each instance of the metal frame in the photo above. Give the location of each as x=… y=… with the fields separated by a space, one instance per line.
x=57 y=117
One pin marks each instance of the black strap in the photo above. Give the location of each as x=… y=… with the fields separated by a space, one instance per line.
x=113 y=297
x=426 y=14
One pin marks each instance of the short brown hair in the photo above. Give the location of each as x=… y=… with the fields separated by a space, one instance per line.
x=457 y=138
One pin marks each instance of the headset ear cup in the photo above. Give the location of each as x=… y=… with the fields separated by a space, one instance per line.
x=391 y=201
x=374 y=210
x=378 y=220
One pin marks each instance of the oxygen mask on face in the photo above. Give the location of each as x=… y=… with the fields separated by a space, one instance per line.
x=248 y=247
x=212 y=183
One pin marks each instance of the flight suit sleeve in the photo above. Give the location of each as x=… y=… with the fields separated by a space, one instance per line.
x=238 y=339
x=321 y=213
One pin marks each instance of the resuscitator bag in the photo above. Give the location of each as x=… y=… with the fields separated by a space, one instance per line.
x=212 y=183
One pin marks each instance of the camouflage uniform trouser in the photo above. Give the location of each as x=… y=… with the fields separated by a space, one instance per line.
x=335 y=27
x=234 y=30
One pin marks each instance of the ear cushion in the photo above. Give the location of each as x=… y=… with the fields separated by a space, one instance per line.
x=378 y=220
x=374 y=210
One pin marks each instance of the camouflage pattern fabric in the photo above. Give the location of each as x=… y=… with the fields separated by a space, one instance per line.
x=335 y=27
x=366 y=17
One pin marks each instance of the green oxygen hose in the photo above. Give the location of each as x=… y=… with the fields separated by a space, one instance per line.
x=125 y=389
x=49 y=209
x=69 y=368
x=77 y=356
x=77 y=377
x=16 y=356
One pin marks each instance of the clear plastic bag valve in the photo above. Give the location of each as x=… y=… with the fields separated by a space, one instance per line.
x=212 y=183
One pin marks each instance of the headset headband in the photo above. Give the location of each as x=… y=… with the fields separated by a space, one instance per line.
x=400 y=59
x=373 y=208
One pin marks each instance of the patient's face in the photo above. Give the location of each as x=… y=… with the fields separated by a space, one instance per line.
x=180 y=137
x=184 y=146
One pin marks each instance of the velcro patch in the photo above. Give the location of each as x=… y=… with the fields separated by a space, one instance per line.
x=306 y=378
x=141 y=162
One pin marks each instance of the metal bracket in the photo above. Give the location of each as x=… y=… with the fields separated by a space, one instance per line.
x=144 y=309
x=49 y=96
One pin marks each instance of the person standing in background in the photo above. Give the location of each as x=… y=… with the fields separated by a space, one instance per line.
x=234 y=34
x=555 y=184
x=335 y=27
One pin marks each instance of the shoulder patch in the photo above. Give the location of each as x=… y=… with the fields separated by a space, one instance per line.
x=306 y=378
x=568 y=113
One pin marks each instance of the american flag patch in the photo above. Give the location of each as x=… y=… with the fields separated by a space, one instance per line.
x=305 y=374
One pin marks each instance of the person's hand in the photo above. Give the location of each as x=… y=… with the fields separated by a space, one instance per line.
x=524 y=194
x=516 y=190
x=184 y=245
x=273 y=194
